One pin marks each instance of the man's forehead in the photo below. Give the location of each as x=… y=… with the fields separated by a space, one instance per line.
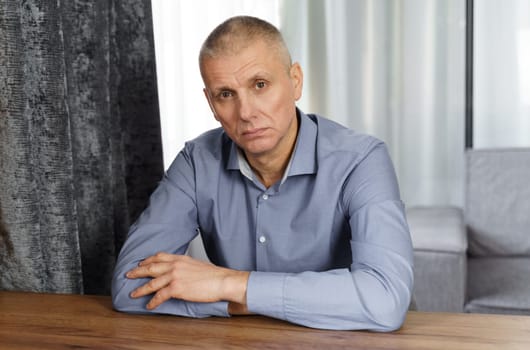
x=237 y=69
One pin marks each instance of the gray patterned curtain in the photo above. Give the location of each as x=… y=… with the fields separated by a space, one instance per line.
x=80 y=147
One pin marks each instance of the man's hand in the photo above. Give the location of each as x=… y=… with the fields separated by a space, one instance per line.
x=182 y=277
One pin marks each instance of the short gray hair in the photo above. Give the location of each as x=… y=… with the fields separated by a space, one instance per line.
x=237 y=33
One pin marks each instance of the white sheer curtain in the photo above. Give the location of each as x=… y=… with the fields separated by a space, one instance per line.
x=394 y=69
x=502 y=74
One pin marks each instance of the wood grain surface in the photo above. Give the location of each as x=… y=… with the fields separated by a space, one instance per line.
x=53 y=321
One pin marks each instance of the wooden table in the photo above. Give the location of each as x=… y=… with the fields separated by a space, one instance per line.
x=48 y=321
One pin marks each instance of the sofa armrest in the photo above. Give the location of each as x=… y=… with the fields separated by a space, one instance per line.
x=439 y=239
x=438 y=229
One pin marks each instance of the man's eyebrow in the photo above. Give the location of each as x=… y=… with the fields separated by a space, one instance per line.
x=256 y=76
x=259 y=75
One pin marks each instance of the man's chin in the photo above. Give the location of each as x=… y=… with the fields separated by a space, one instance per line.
x=256 y=151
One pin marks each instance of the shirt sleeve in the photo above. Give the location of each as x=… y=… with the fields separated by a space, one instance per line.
x=375 y=292
x=167 y=225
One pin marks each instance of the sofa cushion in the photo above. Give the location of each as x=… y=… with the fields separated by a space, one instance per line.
x=498 y=285
x=498 y=202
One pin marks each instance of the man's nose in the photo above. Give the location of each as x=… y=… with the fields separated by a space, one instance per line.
x=246 y=107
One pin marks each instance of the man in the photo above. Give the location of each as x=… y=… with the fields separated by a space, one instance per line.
x=300 y=216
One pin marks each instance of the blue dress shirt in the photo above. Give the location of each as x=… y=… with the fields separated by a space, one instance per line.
x=328 y=246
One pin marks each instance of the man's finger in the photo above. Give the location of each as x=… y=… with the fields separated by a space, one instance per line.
x=152 y=286
x=158 y=257
x=160 y=297
x=150 y=270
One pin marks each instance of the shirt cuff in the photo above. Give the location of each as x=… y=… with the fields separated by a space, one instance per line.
x=265 y=294
x=219 y=308
x=192 y=309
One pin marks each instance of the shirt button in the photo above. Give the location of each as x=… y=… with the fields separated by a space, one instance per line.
x=262 y=239
x=265 y=197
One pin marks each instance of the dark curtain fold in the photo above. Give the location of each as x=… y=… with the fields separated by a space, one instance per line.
x=80 y=147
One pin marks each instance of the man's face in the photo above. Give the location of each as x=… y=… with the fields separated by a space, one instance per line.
x=252 y=94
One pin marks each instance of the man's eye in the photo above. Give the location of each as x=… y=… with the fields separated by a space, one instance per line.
x=260 y=85
x=225 y=94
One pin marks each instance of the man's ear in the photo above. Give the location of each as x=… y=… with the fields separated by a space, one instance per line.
x=297 y=77
x=208 y=98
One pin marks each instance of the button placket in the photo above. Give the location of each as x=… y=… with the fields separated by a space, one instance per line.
x=262 y=239
x=261 y=233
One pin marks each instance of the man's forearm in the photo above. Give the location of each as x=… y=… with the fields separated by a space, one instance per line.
x=337 y=299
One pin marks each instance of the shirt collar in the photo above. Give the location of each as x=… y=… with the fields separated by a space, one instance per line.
x=303 y=160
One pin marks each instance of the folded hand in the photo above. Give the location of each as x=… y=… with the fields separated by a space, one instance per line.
x=182 y=277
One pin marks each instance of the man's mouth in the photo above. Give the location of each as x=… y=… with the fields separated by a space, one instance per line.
x=254 y=132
